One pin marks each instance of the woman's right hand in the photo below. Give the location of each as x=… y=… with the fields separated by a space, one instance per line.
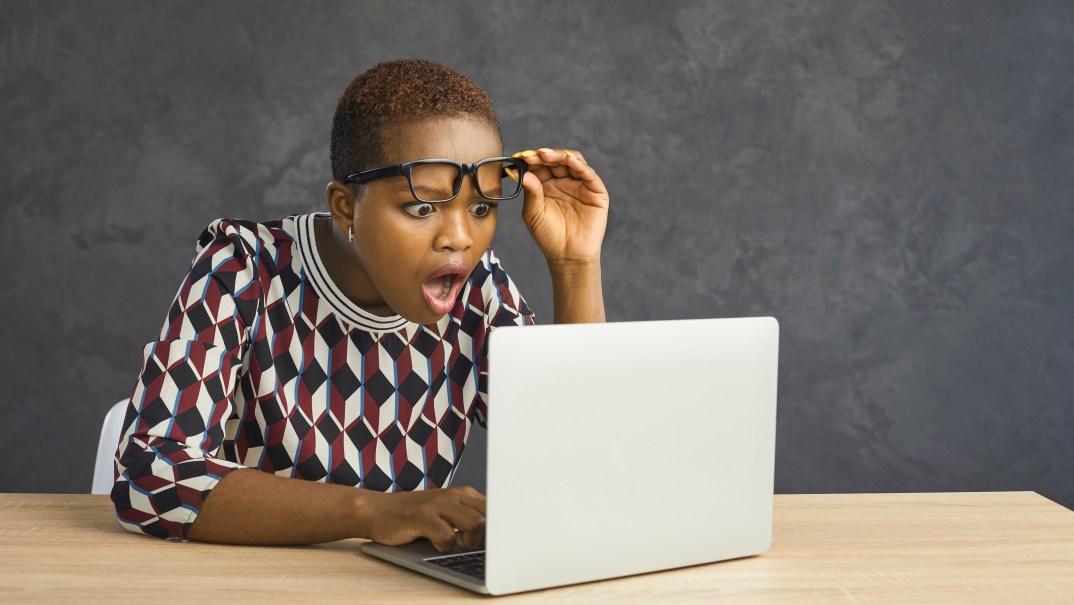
x=450 y=518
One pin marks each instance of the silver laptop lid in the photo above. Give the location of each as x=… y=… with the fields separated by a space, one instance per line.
x=623 y=448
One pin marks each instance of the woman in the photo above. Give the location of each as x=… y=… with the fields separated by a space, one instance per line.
x=348 y=348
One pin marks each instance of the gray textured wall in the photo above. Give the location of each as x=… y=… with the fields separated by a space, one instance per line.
x=891 y=179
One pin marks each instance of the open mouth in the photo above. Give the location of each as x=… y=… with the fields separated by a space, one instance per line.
x=442 y=289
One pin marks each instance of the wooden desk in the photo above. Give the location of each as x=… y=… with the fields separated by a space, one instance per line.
x=862 y=548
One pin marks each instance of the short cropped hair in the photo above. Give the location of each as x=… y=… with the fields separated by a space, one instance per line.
x=398 y=92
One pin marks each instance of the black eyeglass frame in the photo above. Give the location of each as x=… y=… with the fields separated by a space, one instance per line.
x=407 y=168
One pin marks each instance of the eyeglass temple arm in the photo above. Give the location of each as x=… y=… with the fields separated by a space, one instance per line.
x=376 y=173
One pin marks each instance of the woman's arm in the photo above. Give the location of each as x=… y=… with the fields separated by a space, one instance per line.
x=252 y=507
x=566 y=211
x=577 y=293
x=166 y=459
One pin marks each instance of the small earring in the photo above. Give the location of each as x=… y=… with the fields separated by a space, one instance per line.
x=350 y=233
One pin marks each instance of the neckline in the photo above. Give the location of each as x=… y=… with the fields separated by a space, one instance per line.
x=327 y=289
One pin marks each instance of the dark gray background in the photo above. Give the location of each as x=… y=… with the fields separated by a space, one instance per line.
x=891 y=179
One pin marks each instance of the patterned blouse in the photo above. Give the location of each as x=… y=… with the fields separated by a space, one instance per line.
x=263 y=362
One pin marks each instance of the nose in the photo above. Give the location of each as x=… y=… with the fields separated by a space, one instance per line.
x=454 y=229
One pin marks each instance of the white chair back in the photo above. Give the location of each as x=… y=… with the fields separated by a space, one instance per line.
x=104 y=469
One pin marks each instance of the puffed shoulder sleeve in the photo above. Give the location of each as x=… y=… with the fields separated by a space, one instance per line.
x=166 y=461
x=505 y=307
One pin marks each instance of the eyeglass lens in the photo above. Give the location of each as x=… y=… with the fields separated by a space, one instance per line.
x=436 y=182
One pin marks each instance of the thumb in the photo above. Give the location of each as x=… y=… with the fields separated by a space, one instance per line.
x=533 y=200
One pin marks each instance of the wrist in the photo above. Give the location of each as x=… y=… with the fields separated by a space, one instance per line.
x=569 y=267
x=364 y=506
x=577 y=292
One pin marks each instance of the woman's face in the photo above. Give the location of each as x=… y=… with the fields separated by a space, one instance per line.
x=418 y=255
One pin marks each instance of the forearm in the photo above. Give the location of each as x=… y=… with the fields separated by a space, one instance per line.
x=577 y=293
x=252 y=507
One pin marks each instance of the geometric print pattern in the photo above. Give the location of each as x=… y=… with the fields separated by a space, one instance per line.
x=263 y=363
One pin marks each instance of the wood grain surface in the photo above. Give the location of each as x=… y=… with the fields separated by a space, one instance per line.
x=1005 y=547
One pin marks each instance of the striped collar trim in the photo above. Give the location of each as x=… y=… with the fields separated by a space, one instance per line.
x=326 y=288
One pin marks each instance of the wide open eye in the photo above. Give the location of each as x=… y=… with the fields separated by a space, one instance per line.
x=419 y=209
x=481 y=209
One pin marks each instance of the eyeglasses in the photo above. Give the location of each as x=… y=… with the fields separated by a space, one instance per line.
x=429 y=179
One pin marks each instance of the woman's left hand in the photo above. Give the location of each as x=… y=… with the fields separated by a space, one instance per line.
x=565 y=207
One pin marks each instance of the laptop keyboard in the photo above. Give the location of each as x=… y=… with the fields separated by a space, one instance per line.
x=468 y=563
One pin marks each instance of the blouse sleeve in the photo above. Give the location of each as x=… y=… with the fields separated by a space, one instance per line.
x=166 y=461
x=506 y=308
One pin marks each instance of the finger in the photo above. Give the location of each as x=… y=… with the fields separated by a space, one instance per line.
x=470 y=497
x=545 y=162
x=585 y=173
x=469 y=524
x=559 y=171
x=542 y=172
x=463 y=518
x=575 y=153
x=469 y=490
x=533 y=200
x=471 y=540
x=441 y=533
x=579 y=169
x=555 y=160
x=530 y=154
x=476 y=503
x=559 y=162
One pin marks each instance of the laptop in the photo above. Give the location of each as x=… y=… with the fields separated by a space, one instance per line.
x=618 y=449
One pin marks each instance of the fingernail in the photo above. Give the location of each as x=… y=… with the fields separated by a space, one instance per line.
x=570 y=154
x=528 y=153
x=517 y=155
x=545 y=149
x=511 y=173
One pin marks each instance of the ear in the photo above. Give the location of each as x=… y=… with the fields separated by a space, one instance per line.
x=341 y=205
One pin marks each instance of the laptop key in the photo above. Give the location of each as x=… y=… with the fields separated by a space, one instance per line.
x=470 y=563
